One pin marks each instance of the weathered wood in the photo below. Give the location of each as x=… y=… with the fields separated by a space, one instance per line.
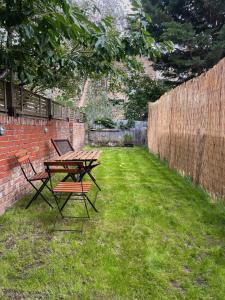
x=116 y=136
x=19 y=101
x=80 y=156
x=73 y=187
x=3 y=104
x=9 y=92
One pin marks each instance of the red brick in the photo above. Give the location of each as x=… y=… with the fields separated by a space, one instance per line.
x=28 y=133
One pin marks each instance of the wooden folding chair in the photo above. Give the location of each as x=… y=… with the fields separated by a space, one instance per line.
x=32 y=176
x=76 y=191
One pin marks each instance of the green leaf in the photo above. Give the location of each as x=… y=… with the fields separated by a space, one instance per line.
x=29 y=32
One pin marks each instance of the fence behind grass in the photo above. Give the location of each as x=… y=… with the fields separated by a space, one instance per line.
x=99 y=136
x=186 y=127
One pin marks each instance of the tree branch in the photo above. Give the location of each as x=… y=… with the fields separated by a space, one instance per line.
x=4 y=73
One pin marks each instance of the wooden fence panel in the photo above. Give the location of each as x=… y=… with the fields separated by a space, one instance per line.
x=116 y=136
x=59 y=111
x=17 y=101
x=31 y=104
x=2 y=97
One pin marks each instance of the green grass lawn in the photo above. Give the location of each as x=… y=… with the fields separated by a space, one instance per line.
x=156 y=236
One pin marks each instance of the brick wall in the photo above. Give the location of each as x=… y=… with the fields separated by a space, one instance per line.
x=186 y=127
x=34 y=135
x=78 y=134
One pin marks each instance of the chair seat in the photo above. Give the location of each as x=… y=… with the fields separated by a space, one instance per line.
x=72 y=187
x=39 y=176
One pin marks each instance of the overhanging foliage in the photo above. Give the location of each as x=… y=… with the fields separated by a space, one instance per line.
x=48 y=43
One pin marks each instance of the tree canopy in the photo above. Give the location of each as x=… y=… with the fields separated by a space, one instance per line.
x=133 y=86
x=49 y=43
x=140 y=90
x=99 y=9
x=196 y=27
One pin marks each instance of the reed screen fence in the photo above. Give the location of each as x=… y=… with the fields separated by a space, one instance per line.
x=186 y=127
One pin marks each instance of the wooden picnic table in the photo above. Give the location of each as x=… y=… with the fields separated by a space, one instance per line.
x=85 y=156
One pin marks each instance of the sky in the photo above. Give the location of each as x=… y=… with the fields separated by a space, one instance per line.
x=118 y=9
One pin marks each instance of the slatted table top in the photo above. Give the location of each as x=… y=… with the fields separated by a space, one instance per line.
x=92 y=155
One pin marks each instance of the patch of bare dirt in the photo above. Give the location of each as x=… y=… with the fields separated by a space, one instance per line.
x=177 y=286
x=12 y=294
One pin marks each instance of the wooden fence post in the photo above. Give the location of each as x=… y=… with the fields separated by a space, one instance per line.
x=10 y=99
x=50 y=109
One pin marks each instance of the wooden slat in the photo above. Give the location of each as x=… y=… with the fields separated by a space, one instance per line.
x=23 y=159
x=77 y=155
x=21 y=153
x=74 y=184
x=74 y=187
x=62 y=190
x=66 y=156
x=69 y=155
x=64 y=163
x=98 y=155
x=89 y=155
x=93 y=154
x=69 y=171
x=80 y=155
x=39 y=176
x=84 y=155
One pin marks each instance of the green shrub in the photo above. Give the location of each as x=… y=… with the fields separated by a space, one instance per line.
x=106 y=122
x=130 y=124
x=128 y=139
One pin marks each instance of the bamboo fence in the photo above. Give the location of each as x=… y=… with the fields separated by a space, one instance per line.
x=186 y=127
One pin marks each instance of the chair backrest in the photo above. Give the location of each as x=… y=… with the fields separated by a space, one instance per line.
x=62 y=146
x=23 y=160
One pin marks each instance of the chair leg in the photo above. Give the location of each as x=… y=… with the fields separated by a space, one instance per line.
x=83 y=199
x=95 y=209
x=94 y=180
x=65 y=178
x=67 y=199
x=89 y=169
x=42 y=196
x=38 y=192
x=96 y=196
x=57 y=204
x=33 y=198
x=85 y=204
x=48 y=187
